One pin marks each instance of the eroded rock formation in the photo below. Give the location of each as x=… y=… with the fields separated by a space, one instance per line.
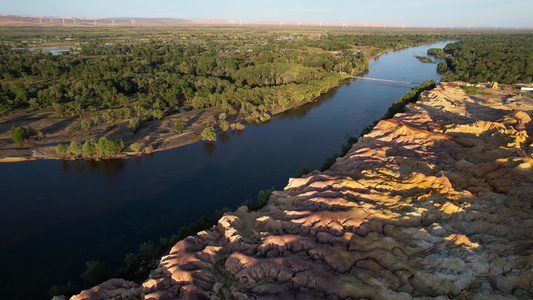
x=437 y=203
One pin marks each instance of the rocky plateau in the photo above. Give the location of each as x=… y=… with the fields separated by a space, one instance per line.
x=435 y=203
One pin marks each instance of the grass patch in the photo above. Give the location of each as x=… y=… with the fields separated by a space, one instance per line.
x=470 y=90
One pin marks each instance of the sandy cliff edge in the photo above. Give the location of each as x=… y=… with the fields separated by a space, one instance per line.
x=434 y=203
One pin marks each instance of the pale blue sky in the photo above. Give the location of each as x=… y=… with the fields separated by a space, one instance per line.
x=501 y=13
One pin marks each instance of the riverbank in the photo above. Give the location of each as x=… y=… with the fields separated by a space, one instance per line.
x=154 y=135
x=447 y=182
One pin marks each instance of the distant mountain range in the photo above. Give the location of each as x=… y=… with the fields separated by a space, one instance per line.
x=7 y=20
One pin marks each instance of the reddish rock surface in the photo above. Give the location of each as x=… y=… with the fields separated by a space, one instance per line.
x=406 y=213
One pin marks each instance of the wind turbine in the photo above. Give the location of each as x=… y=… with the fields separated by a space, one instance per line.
x=132 y=21
x=74 y=19
x=51 y=22
x=40 y=20
x=468 y=27
x=517 y=27
x=94 y=22
x=113 y=21
x=63 y=22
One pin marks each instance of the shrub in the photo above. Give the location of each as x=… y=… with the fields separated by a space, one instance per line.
x=303 y=171
x=85 y=125
x=211 y=120
x=262 y=200
x=149 y=149
x=97 y=272
x=148 y=249
x=95 y=120
x=135 y=147
x=134 y=125
x=67 y=290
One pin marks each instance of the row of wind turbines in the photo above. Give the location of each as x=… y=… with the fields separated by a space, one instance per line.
x=363 y=24
x=281 y=24
x=132 y=21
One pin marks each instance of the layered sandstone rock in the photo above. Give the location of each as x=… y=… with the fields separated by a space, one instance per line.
x=435 y=203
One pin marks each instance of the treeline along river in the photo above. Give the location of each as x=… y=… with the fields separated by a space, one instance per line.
x=56 y=215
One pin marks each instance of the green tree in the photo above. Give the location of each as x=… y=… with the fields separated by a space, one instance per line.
x=61 y=149
x=178 y=126
x=108 y=147
x=19 y=134
x=89 y=147
x=75 y=148
x=209 y=134
x=223 y=124
x=442 y=67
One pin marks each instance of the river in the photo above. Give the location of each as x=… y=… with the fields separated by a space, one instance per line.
x=56 y=215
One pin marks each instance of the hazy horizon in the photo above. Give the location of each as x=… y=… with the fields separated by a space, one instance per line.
x=475 y=13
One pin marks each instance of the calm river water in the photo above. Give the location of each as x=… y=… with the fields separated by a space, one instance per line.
x=55 y=216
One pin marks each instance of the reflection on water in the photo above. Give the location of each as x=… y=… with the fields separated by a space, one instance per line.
x=209 y=148
x=302 y=111
x=108 y=167
x=224 y=137
x=137 y=160
x=237 y=132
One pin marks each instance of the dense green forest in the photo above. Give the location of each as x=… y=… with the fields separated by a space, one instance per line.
x=504 y=58
x=154 y=72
